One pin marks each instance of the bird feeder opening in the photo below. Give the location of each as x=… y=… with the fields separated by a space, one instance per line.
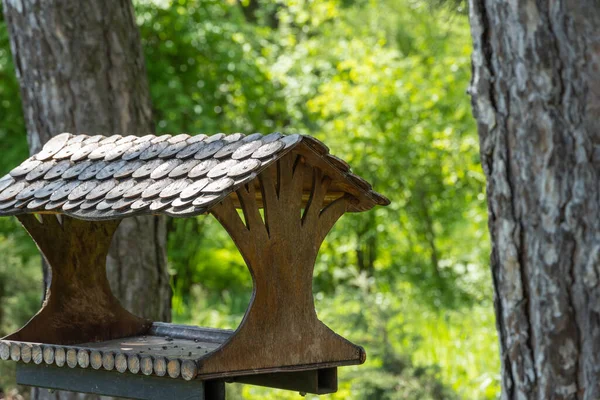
x=209 y=271
x=277 y=196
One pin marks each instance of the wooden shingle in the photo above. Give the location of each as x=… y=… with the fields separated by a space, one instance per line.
x=153 y=172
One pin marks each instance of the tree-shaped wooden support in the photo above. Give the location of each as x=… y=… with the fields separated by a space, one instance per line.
x=280 y=329
x=79 y=305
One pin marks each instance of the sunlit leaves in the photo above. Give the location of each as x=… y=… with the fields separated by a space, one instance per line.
x=383 y=83
x=206 y=69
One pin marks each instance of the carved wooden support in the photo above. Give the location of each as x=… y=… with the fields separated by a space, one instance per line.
x=79 y=305
x=281 y=328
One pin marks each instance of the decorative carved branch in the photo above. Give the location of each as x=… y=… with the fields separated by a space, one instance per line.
x=280 y=251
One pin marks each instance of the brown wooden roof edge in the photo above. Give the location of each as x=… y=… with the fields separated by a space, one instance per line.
x=52 y=180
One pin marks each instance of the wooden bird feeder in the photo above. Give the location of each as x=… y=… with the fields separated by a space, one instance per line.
x=72 y=195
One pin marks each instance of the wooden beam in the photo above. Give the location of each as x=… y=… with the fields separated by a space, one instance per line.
x=107 y=383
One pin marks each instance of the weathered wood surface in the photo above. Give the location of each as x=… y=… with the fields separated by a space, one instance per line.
x=133 y=363
x=160 y=366
x=537 y=100
x=302 y=198
x=60 y=356
x=83 y=358
x=189 y=369
x=280 y=330
x=121 y=362
x=99 y=81
x=280 y=252
x=37 y=354
x=15 y=352
x=48 y=354
x=4 y=351
x=158 y=181
x=80 y=67
x=148 y=355
x=195 y=333
x=146 y=365
x=72 y=358
x=26 y=353
x=155 y=346
x=80 y=306
x=174 y=368
x=96 y=359
x=145 y=355
x=108 y=360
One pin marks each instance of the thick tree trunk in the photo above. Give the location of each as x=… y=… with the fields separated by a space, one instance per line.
x=536 y=97
x=81 y=69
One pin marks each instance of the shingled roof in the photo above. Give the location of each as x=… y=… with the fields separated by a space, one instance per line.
x=100 y=177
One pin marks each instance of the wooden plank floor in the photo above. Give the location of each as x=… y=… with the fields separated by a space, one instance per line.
x=155 y=346
x=158 y=354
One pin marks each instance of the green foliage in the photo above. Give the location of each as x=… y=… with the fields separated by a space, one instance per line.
x=209 y=260
x=20 y=272
x=20 y=286
x=394 y=97
x=383 y=83
x=205 y=69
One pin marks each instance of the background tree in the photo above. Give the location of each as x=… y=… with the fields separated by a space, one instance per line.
x=81 y=69
x=536 y=100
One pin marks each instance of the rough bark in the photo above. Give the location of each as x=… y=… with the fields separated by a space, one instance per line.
x=81 y=69
x=536 y=97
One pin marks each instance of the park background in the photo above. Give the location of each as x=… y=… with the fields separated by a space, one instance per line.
x=384 y=85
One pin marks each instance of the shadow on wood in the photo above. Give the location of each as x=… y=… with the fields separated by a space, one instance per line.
x=79 y=305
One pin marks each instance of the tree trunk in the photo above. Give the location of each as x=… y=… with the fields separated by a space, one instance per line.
x=81 y=69
x=536 y=97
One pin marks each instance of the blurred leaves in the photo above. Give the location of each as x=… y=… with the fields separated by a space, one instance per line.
x=382 y=83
